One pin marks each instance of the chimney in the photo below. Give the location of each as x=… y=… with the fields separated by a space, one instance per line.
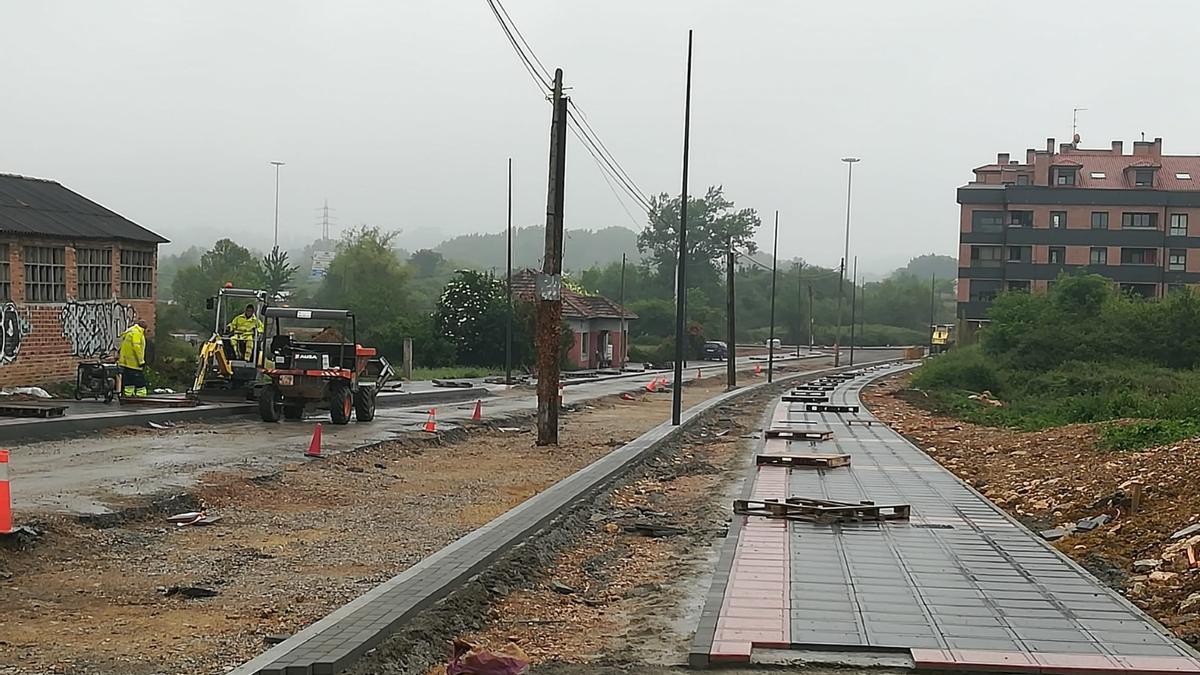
x=1002 y=158
x=1156 y=148
x=1141 y=148
x=1065 y=147
x=1117 y=147
x=1030 y=153
x=1049 y=145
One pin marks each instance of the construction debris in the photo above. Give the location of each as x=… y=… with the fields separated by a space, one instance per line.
x=191 y=592
x=469 y=659
x=821 y=510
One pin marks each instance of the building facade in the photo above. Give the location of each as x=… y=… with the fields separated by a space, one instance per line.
x=600 y=326
x=1134 y=218
x=73 y=276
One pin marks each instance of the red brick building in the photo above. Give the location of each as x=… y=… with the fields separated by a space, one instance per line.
x=73 y=276
x=600 y=334
x=1134 y=218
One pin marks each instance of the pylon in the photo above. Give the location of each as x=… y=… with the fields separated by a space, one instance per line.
x=652 y=385
x=663 y=382
x=431 y=422
x=627 y=397
x=478 y=414
x=5 y=496
x=314 y=446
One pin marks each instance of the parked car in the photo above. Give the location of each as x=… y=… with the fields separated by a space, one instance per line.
x=715 y=350
x=777 y=343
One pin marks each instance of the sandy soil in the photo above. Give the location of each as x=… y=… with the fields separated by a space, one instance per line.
x=1058 y=476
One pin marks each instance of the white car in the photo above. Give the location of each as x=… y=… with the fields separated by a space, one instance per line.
x=776 y=343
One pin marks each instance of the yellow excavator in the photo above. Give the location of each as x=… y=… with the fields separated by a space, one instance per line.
x=222 y=371
x=942 y=337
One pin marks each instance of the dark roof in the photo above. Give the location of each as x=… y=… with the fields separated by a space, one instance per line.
x=44 y=207
x=575 y=306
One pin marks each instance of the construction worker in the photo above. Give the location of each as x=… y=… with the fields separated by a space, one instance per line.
x=132 y=360
x=245 y=327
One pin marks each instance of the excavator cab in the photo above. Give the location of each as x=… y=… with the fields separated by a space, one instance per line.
x=222 y=368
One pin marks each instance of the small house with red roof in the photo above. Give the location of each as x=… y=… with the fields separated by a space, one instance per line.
x=600 y=326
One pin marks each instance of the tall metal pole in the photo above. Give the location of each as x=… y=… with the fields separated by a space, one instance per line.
x=812 y=320
x=774 y=275
x=681 y=266
x=624 y=347
x=508 y=324
x=837 y=340
x=853 y=307
x=932 y=305
x=277 y=165
x=730 y=322
x=799 y=306
x=549 y=315
x=862 y=311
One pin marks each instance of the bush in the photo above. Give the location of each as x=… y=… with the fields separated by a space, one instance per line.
x=967 y=368
x=1146 y=433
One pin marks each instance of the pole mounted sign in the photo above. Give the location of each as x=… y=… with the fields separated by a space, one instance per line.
x=549 y=286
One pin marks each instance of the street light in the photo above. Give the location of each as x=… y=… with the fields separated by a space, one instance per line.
x=837 y=341
x=277 y=165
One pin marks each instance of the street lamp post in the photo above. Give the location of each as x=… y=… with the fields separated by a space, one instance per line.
x=277 y=165
x=837 y=341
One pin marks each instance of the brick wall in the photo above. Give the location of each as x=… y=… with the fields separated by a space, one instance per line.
x=52 y=338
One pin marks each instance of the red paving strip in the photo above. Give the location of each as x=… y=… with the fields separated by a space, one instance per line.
x=754 y=612
x=1050 y=664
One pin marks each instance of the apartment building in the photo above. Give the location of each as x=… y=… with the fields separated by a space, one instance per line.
x=1134 y=218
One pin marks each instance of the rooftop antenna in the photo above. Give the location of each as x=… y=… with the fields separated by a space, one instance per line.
x=1075 y=124
x=1143 y=136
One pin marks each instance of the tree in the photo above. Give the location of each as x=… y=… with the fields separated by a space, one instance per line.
x=225 y=263
x=472 y=313
x=426 y=262
x=367 y=278
x=277 y=272
x=712 y=223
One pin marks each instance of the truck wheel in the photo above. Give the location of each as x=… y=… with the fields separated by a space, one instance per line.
x=293 y=411
x=340 y=404
x=364 y=404
x=269 y=406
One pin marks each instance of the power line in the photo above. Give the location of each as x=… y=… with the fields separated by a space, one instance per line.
x=583 y=118
x=543 y=84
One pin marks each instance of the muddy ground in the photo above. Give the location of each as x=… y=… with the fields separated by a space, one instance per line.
x=1056 y=477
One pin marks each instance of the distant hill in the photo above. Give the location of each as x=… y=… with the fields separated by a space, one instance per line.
x=930 y=264
x=581 y=250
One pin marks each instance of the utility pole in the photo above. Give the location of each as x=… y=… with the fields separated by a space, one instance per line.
x=932 y=306
x=508 y=322
x=730 y=324
x=811 y=320
x=276 y=165
x=549 y=282
x=681 y=267
x=774 y=275
x=853 y=307
x=624 y=347
x=862 y=311
x=799 y=305
x=837 y=340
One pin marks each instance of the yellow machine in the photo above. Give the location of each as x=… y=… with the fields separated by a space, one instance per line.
x=942 y=338
x=221 y=369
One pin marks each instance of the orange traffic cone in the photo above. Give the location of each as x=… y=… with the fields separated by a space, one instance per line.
x=757 y=370
x=664 y=382
x=431 y=423
x=314 y=446
x=478 y=414
x=627 y=397
x=6 y=526
x=652 y=385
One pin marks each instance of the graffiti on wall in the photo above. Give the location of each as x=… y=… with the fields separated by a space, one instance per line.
x=94 y=328
x=13 y=327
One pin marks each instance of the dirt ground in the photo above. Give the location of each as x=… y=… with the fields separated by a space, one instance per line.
x=290 y=547
x=618 y=600
x=1058 y=476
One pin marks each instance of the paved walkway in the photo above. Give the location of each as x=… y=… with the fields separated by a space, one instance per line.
x=960 y=585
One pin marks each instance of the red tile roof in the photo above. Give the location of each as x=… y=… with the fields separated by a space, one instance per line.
x=575 y=306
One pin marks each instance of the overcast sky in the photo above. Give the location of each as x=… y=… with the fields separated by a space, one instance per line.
x=402 y=114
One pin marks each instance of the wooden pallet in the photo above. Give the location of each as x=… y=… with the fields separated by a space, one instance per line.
x=161 y=401
x=799 y=434
x=814 y=387
x=804 y=461
x=802 y=398
x=829 y=408
x=821 y=510
x=787 y=423
x=32 y=409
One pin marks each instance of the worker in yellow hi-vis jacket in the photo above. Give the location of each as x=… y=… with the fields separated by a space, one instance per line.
x=245 y=327
x=132 y=360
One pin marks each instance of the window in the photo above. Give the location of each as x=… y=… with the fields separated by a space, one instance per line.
x=1145 y=291
x=982 y=290
x=1022 y=179
x=1020 y=219
x=1022 y=254
x=1177 y=260
x=1182 y=175
x=5 y=274
x=1177 y=288
x=987 y=221
x=1099 y=220
x=985 y=256
x=45 y=274
x=1139 y=256
x=1098 y=175
x=583 y=346
x=1058 y=255
x=1143 y=178
x=1139 y=220
x=137 y=273
x=94 y=273
x=1178 y=224
x=1018 y=286
x=1064 y=177
x=1058 y=219
x=1098 y=256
